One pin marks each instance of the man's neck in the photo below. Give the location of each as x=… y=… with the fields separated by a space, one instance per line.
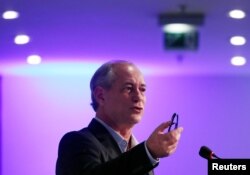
x=122 y=129
x=126 y=134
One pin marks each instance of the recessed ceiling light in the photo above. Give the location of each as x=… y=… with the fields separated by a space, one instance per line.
x=22 y=39
x=237 y=14
x=34 y=59
x=238 y=40
x=238 y=61
x=178 y=28
x=10 y=15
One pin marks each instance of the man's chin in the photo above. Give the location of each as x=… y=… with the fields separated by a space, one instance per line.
x=136 y=118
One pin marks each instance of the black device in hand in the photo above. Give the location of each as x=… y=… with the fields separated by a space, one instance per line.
x=174 y=122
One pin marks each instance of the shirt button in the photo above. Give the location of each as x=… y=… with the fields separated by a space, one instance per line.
x=124 y=143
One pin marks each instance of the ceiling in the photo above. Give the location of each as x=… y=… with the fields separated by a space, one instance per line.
x=79 y=30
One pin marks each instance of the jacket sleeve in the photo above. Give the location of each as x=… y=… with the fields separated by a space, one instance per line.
x=84 y=155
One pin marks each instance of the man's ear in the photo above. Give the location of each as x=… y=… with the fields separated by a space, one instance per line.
x=99 y=95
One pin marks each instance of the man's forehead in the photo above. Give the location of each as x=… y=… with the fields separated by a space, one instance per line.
x=132 y=81
x=127 y=69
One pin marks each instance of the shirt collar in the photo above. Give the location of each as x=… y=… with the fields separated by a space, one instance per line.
x=123 y=144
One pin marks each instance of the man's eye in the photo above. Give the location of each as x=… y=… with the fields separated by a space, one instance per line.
x=143 y=89
x=129 y=89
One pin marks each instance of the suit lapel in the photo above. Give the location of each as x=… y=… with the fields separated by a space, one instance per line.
x=110 y=146
x=101 y=133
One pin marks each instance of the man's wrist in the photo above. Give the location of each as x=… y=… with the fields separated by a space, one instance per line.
x=151 y=157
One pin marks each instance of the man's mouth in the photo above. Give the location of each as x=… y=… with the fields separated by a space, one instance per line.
x=137 y=109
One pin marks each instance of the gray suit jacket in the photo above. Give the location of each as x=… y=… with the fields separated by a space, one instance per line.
x=93 y=151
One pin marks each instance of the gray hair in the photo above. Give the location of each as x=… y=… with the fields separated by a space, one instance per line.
x=104 y=77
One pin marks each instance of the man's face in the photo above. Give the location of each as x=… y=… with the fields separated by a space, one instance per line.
x=124 y=101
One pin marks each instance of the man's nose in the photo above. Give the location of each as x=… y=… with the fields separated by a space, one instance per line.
x=137 y=95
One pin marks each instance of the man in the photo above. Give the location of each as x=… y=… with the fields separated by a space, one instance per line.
x=107 y=146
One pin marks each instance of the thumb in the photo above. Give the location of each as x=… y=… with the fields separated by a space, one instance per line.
x=162 y=126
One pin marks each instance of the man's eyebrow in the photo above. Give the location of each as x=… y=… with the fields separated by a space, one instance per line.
x=128 y=83
x=131 y=83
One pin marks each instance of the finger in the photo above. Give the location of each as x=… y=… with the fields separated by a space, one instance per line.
x=180 y=129
x=172 y=136
x=171 y=149
x=163 y=126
